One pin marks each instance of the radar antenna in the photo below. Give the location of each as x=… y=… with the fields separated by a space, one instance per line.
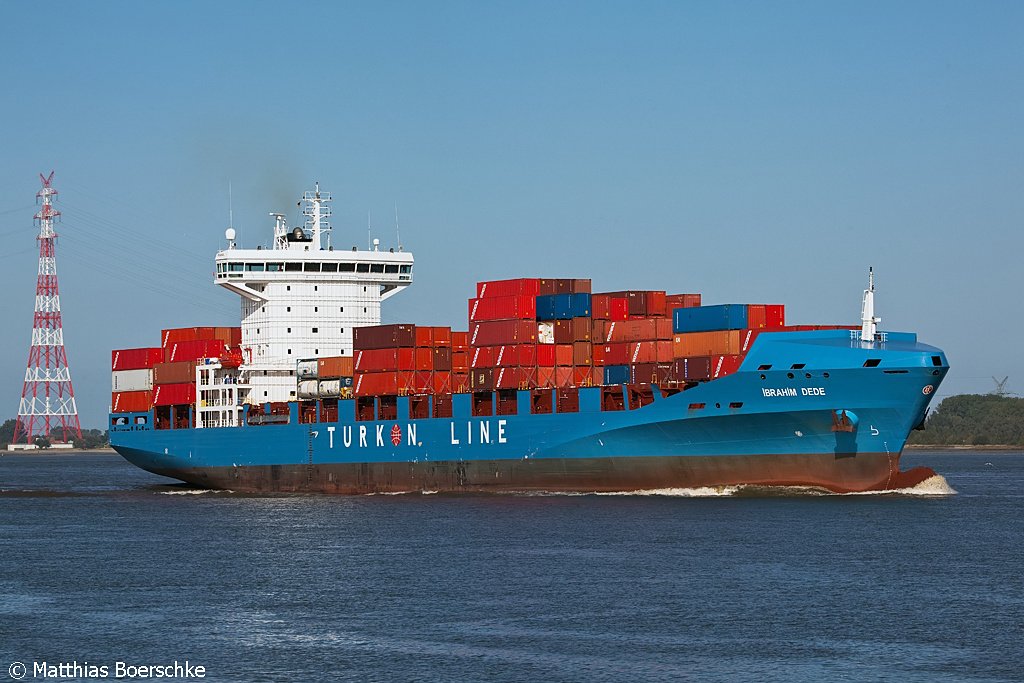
x=869 y=323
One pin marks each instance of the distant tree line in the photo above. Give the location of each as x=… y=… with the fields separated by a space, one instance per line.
x=974 y=420
x=91 y=438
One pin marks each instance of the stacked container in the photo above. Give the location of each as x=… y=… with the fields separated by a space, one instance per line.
x=394 y=360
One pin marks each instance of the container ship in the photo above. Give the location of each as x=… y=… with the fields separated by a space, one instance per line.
x=552 y=386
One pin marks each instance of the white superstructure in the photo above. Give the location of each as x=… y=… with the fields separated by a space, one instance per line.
x=301 y=300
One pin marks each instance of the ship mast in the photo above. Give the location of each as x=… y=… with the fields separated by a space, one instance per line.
x=869 y=323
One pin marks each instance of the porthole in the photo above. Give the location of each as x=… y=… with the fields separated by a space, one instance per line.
x=825 y=375
x=718 y=405
x=789 y=375
x=807 y=375
x=763 y=377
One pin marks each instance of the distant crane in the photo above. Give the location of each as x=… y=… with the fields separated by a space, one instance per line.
x=1000 y=389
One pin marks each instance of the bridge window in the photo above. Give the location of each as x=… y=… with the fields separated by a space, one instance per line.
x=330 y=267
x=254 y=267
x=275 y=267
x=390 y=269
x=292 y=267
x=377 y=268
x=363 y=268
x=346 y=267
x=235 y=267
x=405 y=269
x=311 y=267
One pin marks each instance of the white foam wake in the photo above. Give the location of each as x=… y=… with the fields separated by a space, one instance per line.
x=194 y=492
x=696 y=492
x=935 y=485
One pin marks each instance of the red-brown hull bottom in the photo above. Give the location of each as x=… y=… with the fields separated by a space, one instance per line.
x=838 y=473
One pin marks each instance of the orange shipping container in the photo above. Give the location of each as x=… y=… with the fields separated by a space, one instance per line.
x=335 y=366
x=460 y=341
x=131 y=401
x=581 y=354
x=719 y=342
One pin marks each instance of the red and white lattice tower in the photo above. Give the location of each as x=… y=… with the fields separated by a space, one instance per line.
x=47 y=400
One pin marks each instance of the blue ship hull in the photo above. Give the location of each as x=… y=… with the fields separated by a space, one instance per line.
x=805 y=408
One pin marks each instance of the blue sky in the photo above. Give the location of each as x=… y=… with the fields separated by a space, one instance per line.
x=750 y=151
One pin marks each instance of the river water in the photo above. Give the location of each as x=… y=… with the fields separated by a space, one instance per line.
x=103 y=563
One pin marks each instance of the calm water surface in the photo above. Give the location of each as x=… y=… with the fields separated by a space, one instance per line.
x=102 y=562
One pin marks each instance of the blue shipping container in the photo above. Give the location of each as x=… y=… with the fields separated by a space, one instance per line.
x=710 y=318
x=563 y=306
x=617 y=374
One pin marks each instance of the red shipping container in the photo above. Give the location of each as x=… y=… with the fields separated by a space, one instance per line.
x=187 y=334
x=755 y=316
x=510 y=378
x=383 y=336
x=384 y=383
x=608 y=307
x=775 y=315
x=563 y=354
x=424 y=335
x=193 y=350
x=174 y=394
x=545 y=377
x=524 y=286
x=673 y=301
x=725 y=365
x=460 y=361
x=527 y=354
x=386 y=360
x=503 y=308
x=581 y=354
x=656 y=305
x=460 y=341
x=582 y=377
x=135 y=359
x=422 y=383
x=663 y=351
x=425 y=359
x=544 y=355
x=481 y=357
x=564 y=376
x=496 y=332
x=131 y=401
x=441 y=383
x=643 y=303
x=504 y=356
x=645 y=329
